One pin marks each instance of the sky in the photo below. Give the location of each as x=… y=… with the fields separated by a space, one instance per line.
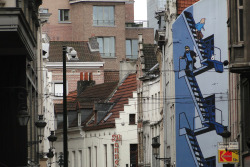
x=140 y=9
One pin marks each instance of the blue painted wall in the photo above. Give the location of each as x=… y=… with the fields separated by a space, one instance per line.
x=210 y=82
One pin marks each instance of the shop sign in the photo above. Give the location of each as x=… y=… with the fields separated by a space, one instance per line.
x=116 y=138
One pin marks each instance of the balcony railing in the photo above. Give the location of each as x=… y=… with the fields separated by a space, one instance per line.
x=137 y=23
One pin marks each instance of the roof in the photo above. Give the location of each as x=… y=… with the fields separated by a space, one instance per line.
x=120 y=98
x=82 y=48
x=149 y=56
x=183 y=4
x=96 y=93
x=85 y=102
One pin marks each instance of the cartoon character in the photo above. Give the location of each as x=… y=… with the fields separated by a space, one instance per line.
x=190 y=55
x=198 y=27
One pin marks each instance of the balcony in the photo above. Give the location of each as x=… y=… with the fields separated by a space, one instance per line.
x=15 y=28
x=137 y=24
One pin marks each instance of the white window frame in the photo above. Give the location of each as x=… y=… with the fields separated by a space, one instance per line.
x=106 y=46
x=54 y=88
x=62 y=19
x=132 y=48
x=100 y=18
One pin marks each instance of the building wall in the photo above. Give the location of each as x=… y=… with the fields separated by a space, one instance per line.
x=209 y=82
x=80 y=27
x=83 y=141
x=151 y=118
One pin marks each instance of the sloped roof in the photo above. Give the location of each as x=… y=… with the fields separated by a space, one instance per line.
x=149 y=56
x=96 y=93
x=83 y=52
x=120 y=98
x=85 y=101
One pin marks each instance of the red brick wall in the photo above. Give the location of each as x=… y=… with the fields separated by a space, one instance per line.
x=147 y=34
x=129 y=10
x=182 y=4
x=73 y=75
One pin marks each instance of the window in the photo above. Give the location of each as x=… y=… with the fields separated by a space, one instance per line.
x=80 y=158
x=131 y=119
x=58 y=89
x=63 y=15
x=240 y=20
x=112 y=155
x=73 y=158
x=103 y=16
x=131 y=48
x=96 y=159
x=89 y=164
x=133 y=155
x=106 y=46
x=105 y=156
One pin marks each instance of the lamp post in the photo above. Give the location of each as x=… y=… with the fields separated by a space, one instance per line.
x=156 y=150
x=226 y=134
x=52 y=138
x=40 y=124
x=23 y=115
x=65 y=133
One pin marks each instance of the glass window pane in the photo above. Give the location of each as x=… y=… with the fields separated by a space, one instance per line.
x=128 y=48
x=134 y=48
x=100 y=41
x=241 y=2
x=241 y=24
x=106 y=46
x=111 y=15
x=100 y=15
x=66 y=15
x=58 y=89
x=95 y=15
x=112 y=46
x=106 y=16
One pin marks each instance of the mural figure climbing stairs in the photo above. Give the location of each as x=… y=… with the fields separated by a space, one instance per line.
x=206 y=109
x=204 y=47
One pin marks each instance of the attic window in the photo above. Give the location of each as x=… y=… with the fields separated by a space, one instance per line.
x=71 y=54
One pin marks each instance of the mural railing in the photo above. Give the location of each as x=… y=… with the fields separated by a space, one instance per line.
x=183 y=113
x=221 y=118
x=219 y=50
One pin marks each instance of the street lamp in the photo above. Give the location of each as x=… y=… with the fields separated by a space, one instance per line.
x=60 y=161
x=156 y=149
x=23 y=116
x=225 y=134
x=52 y=138
x=40 y=124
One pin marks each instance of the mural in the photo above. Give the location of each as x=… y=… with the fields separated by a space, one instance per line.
x=201 y=82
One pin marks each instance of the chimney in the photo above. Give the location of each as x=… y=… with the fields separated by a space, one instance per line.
x=86 y=76
x=81 y=76
x=90 y=76
x=83 y=84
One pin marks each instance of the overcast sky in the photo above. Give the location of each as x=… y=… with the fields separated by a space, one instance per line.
x=140 y=9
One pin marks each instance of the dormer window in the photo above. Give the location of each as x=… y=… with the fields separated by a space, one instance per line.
x=71 y=54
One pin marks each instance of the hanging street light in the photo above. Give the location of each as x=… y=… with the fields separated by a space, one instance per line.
x=52 y=138
x=40 y=124
x=23 y=116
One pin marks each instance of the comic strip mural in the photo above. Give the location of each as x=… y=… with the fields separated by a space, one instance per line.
x=201 y=82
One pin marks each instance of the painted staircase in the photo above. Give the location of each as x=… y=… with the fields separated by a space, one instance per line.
x=206 y=110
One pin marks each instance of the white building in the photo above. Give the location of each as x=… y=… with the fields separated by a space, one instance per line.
x=106 y=134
